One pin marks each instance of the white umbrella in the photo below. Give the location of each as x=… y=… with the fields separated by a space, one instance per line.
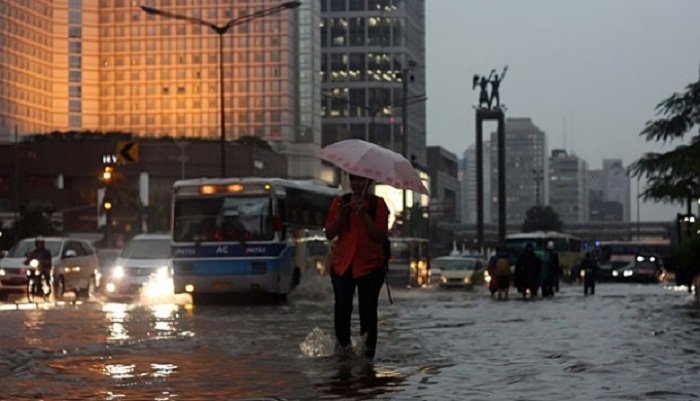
x=370 y=160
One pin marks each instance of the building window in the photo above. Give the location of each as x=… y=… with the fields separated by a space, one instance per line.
x=75 y=32
x=74 y=61
x=74 y=47
x=74 y=91
x=75 y=17
x=74 y=121
x=74 y=106
x=74 y=76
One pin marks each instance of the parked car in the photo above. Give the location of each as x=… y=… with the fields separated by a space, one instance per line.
x=456 y=271
x=75 y=267
x=144 y=263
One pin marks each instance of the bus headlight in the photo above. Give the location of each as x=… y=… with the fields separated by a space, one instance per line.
x=189 y=288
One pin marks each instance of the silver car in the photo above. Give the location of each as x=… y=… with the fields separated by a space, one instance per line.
x=144 y=266
x=75 y=266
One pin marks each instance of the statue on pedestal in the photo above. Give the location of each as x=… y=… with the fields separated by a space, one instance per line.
x=486 y=99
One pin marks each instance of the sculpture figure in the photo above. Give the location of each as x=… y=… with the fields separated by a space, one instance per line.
x=495 y=83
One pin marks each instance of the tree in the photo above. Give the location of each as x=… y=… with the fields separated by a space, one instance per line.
x=34 y=220
x=674 y=175
x=542 y=218
x=256 y=141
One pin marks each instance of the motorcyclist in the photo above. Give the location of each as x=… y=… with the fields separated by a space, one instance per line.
x=43 y=256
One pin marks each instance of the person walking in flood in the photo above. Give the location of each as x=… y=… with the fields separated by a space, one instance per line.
x=499 y=270
x=359 y=220
x=589 y=269
x=528 y=267
x=550 y=271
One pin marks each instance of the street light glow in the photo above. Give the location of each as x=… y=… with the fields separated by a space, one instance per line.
x=220 y=30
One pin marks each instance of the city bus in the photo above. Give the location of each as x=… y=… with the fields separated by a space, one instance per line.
x=241 y=236
x=568 y=247
x=408 y=265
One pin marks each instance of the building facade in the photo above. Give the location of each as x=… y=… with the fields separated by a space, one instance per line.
x=468 y=184
x=106 y=65
x=443 y=167
x=568 y=187
x=526 y=169
x=610 y=194
x=373 y=73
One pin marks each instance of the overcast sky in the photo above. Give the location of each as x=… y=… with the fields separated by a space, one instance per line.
x=588 y=72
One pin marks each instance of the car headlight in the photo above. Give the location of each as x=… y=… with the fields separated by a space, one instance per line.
x=627 y=273
x=162 y=273
x=118 y=272
x=615 y=273
x=640 y=258
x=443 y=279
x=466 y=280
x=2 y=272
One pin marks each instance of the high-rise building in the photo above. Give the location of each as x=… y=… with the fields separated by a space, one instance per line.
x=468 y=181
x=568 y=188
x=617 y=185
x=526 y=169
x=106 y=65
x=444 y=185
x=373 y=64
x=610 y=192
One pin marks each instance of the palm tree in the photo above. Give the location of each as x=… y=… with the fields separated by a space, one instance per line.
x=674 y=175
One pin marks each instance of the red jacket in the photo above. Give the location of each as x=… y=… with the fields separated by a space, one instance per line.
x=354 y=247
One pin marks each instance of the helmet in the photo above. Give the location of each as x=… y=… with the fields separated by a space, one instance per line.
x=39 y=239
x=550 y=245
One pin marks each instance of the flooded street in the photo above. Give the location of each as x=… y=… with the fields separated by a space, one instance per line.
x=627 y=342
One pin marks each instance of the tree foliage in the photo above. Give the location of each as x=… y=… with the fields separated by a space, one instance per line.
x=674 y=175
x=33 y=220
x=255 y=141
x=542 y=218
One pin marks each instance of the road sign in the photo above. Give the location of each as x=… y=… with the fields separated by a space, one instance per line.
x=127 y=152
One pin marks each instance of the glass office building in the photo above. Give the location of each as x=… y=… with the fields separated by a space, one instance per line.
x=106 y=65
x=371 y=51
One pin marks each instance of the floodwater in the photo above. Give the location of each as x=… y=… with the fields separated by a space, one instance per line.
x=627 y=342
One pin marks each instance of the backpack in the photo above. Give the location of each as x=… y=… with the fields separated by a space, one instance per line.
x=502 y=267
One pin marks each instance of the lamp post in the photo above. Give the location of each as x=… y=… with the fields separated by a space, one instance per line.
x=538 y=172
x=220 y=30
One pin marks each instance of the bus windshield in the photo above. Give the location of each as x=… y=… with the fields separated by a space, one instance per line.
x=230 y=218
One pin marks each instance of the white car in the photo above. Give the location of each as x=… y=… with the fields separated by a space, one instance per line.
x=75 y=266
x=456 y=271
x=143 y=267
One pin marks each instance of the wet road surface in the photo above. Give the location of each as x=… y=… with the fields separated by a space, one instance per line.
x=627 y=342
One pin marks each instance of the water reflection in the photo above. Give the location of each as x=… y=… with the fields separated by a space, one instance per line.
x=116 y=317
x=360 y=379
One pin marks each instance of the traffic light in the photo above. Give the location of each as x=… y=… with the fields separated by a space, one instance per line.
x=108 y=174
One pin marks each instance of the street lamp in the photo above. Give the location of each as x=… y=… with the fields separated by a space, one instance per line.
x=220 y=30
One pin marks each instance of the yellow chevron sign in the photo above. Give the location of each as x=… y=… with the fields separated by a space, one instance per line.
x=127 y=152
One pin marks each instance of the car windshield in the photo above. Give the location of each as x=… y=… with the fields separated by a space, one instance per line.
x=454 y=264
x=22 y=248
x=143 y=248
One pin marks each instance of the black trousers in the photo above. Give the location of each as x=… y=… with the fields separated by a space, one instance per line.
x=368 y=288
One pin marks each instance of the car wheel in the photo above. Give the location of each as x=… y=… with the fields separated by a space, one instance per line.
x=60 y=287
